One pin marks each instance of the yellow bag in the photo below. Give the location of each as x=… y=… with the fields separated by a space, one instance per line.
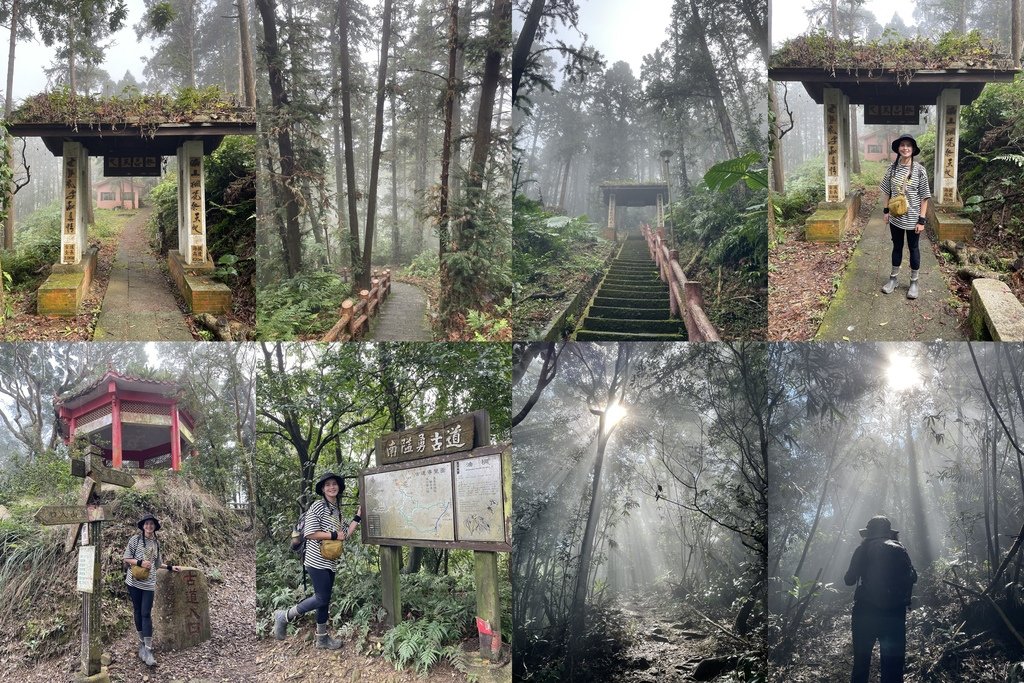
x=139 y=573
x=331 y=550
x=898 y=204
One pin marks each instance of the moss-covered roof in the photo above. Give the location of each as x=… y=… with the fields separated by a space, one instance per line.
x=132 y=108
x=890 y=53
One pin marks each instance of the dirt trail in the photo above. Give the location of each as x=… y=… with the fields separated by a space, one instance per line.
x=667 y=647
x=226 y=657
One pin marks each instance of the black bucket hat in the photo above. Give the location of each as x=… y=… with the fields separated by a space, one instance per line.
x=324 y=478
x=905 y=136
x=147 y=517
x=878 y=527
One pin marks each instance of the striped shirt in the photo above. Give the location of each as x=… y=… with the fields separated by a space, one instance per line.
x=321 y=516
x=917 y=192
x=140 y=548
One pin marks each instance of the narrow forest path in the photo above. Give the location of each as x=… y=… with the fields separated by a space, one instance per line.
x=667 y=646
x=631 y=303
x=139 y=304
x=403 y=316
x=861 y=312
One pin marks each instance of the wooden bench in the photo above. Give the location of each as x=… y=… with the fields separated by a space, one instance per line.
x=996 y=314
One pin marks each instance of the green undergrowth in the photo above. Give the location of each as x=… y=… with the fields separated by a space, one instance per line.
x=891 y=52
x=554 y=257
x=304 y=306
x=147 y=110
x=723 y=234
x=37 y=242
x=40 y=616
x=438 y=609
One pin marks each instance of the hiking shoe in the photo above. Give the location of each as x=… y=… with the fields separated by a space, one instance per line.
x=890 y=286
x=142 y=651
x=148 y=657
x=280 y=624
x=324 y=640
x=912 y=292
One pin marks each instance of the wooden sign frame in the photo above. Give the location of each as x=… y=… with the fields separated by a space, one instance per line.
x=456 y=434
x=503 y=450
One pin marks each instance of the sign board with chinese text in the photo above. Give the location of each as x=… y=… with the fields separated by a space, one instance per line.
x=125 y=166
x=453 y=435
x=892 y=114
x=86 y=562
x=50 y=515
x=461 y=500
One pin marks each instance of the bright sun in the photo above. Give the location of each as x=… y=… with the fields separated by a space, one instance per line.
x=902 y=374
x=613 y=415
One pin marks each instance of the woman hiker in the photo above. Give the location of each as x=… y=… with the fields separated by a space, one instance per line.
x=323 y=529
x=905 y=175
x=143 y=557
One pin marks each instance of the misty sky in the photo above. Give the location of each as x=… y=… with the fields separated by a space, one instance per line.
x=124 y=54
x=789 y=17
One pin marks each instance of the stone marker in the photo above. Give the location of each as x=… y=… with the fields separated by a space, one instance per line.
x=181 y=608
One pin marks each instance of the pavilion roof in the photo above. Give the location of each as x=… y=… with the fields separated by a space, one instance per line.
x=124 y=382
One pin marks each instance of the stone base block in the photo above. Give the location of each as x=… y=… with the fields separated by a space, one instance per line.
x=200 y=292
x=64 y=289
x=996 y=314
x=949 y=226
x=832 y=219
x=181 y=609
x=608 y=234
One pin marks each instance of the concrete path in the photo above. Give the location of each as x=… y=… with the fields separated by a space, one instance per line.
x=403 y=317
x=860 y=312
x=139 y=305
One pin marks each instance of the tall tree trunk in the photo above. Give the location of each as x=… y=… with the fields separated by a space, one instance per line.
x=279 y=100
x=346 y=124
x=378 y=136
x=775 y=142
x=524 y=43
x=191 y=10
x=1015 y=31
x=396 y=246
x=717 y=98
x=248 y=72
x=339 y=164
x=454 y=173
x=446 y=146
x=8 y=108
x=565 y=182
x=916 y=500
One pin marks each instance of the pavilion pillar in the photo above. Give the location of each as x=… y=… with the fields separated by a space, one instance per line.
x=115 y=433
x=191 y=203
x=175 y=439
x=609 y=232
x=837 y=145
x=947 y=146
x=661 y=212
x=73 y=234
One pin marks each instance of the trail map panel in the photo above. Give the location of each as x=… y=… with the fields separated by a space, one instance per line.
x=478 y=499
x=413 y=504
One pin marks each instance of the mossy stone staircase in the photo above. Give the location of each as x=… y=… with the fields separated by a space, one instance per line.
x=631 y=303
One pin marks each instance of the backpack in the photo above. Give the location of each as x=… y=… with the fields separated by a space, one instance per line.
x=887 y=581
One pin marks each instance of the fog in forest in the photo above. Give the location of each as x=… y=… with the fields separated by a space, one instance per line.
x=639 y=498
x=930 y=437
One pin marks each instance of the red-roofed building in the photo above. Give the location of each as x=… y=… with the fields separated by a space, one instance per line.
x=130 y=418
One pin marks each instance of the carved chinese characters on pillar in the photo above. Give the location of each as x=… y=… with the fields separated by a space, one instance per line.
x=197 y=253
x=193 y=622
x=70 y=205
x=832 y=148
x=451 y=436
x=195 y=191
x=69 y=253
x=949 y=162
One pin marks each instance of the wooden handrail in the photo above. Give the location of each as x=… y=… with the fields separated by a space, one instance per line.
x=686 y=299
x=355 y=315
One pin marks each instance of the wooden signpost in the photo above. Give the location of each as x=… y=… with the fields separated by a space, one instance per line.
x=90 y=574
x=442 y=485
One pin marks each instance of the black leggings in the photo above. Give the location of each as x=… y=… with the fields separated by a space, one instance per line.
x=913 y=239
x=142 y=603
x=323 y=582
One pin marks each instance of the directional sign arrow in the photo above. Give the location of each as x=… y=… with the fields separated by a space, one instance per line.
x=50 y=515
x=94 y=468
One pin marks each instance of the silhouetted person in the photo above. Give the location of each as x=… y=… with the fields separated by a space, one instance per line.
x=885 y=579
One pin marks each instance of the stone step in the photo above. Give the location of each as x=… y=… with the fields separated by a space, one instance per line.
x=592 y=335
x=622 y=313
x=656 y=301
x=632 y=292
x=632 y=326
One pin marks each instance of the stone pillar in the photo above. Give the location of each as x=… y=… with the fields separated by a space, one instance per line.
x=661 y=211
x=73 y=233
x=181 y=609
x=835 y=157
x=191 y=203
x=845 y=146
x=947 y=146
x=610 y=232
